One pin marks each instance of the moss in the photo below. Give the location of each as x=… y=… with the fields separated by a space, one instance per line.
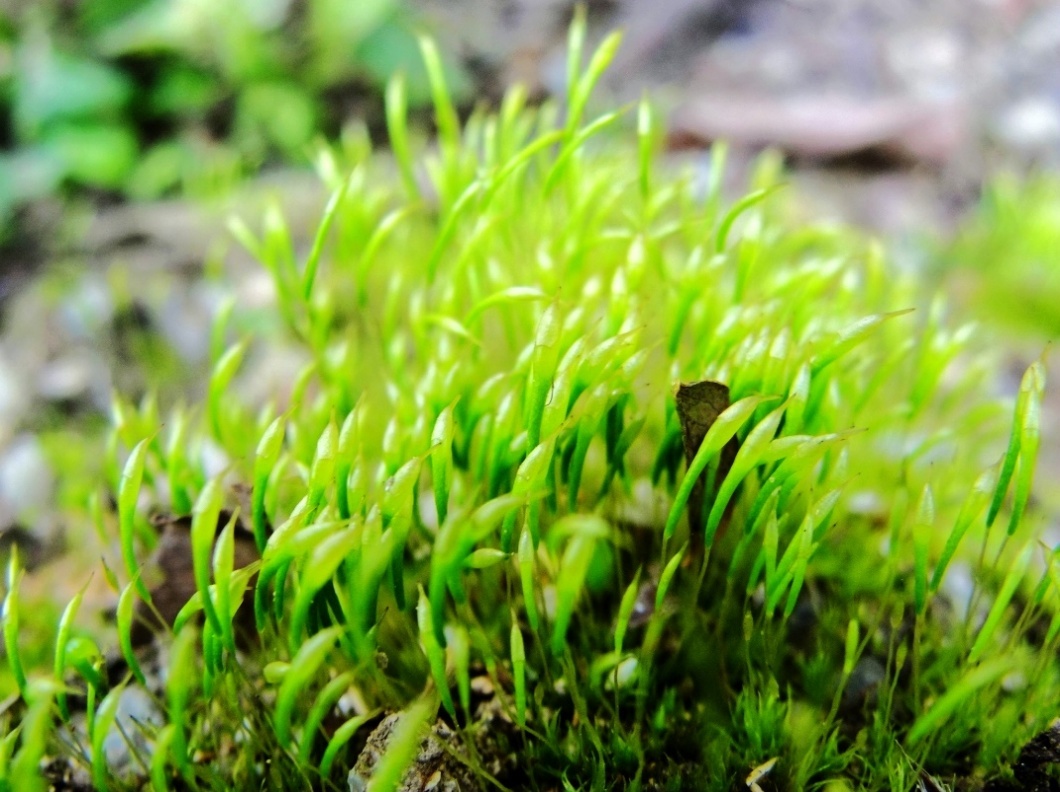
x=472 y=505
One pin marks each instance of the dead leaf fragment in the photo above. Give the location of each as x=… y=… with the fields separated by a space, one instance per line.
x=172 y=575
x=698 y=406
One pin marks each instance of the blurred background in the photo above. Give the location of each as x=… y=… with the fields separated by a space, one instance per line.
x=131 y=129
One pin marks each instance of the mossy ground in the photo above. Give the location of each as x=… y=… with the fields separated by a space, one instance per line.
x=472 y=504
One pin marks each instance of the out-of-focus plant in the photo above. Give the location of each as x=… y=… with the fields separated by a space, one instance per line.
x=144 y=97
x=1005 y=259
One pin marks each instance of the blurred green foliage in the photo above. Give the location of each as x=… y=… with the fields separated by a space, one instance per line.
x=1005 y=259
x=146 y=97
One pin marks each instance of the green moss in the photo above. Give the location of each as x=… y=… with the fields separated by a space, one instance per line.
x=480 y=474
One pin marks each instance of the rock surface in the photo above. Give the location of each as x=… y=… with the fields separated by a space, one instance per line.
x=435 y=768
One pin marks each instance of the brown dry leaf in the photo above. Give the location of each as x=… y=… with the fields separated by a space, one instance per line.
x=698 y=406
x=171 y=575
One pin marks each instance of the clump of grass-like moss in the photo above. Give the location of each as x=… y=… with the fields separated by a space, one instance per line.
x=472 y=506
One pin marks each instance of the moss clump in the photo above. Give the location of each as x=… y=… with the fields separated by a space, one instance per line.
x=472 y=504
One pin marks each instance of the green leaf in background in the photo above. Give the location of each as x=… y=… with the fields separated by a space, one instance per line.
x=282 y=113
x=392 y=49
x=183 y=90
x=97 y=16
x=159 y=169
x=50 y=86
x=94 y=154
x=336 y=27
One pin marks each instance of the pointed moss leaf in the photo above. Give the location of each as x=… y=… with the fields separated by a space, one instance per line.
x=444 y=112
x=245 y=237
x=304 y=666
x=124 y=618
x=128 y=494
x=793 y=563
x=923 y=527
x=625 y=610
x=799 y=395
x=451 y=325
x=160 y=758
x=504 y=297
x=204 y=523
x=527 y=578
x=11 y=619
x=850 y=651
x=1001 y=602
x=518 y=653
x=753 y=448
x=521 y=159
x=590 y=525
x=645 y=142
x=278 y=247
x=770 y=547
x=455 y=541
x=268 y=454
x=570 y=584
x=398 y=490
x=62 y=639
x=322 y=564
x=609 y=356
x=402 y=746
x=313 y=259
x=461 y=206
x=83 y=655
x=1032 y=384
x=343 y=735
x=667 y=576
x=586 y=431
x=1030 y=437
x=34 y=731
x=460 y=651
x=543 y=361
x=721 y=431
x=322 y=471
x=323 y=705
x=218 y=393
x=237 y=586
x=576 y=144
x=484 y=520
x=575 y=47
x=971 y=509
x=959 y=694
x=433 y=648
x=851 y=337
x=530 y=482
x=797 y=574
x=442 y=459
x=381 y=232
x=182 y=673
x=396 y=101
x=103 y=722
x=223 y=566
x=486 y=557
x=721 y=237
x=585 y=83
